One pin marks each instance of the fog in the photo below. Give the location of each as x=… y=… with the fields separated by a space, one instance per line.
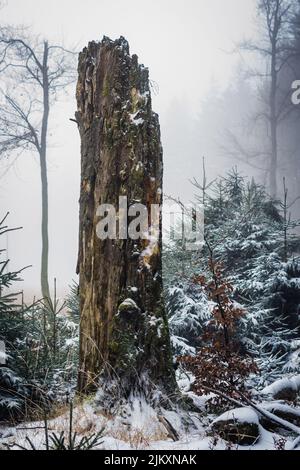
x=187 y=47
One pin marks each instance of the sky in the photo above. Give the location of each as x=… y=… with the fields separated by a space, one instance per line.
x=187 y=46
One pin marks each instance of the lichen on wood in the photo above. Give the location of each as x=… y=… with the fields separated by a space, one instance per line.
x=124 y=330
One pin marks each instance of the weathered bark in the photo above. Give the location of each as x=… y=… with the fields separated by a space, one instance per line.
x=121 y=155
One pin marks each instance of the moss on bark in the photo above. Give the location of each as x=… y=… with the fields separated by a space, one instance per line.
x=121 y=155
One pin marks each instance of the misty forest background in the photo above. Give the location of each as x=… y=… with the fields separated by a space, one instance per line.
x=233 y=146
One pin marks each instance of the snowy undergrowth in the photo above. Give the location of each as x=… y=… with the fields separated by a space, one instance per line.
x=138 y=426
x=146 y=432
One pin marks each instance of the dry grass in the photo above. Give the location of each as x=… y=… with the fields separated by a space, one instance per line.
x=138 y=439
x=87 y=420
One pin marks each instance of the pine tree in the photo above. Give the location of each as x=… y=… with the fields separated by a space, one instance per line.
x=250 y=235
x=13 y=390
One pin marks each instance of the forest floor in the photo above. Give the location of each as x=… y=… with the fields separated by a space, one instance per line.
x=138 y=427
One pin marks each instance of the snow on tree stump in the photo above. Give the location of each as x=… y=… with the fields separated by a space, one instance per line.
x=239 y=426
x=124 y=331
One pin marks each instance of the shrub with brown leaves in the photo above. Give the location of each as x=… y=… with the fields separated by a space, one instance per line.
x=219 y=364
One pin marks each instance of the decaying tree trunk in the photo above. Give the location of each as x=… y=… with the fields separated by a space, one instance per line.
x=124 y=339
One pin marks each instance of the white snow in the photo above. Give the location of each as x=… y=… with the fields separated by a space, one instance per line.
x=241 y=415
x=128 y=303
x=296 y=381
x=181 y=344
x=137 y=428
x=71 y=342
x=3 y=354
x=3 y=357
x=139 y=166
x=133 y=289
x=292 y=383
x=146 y=94
x=273 y=406
x=136 y=120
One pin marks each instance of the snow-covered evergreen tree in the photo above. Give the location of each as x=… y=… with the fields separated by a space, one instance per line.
x=251 y=239
x=187 y=304
x=13 y=390
x=249 y=235
x=41 y=347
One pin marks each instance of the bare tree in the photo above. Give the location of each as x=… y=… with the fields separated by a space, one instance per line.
x=275 y=47
x=34 y=73
x=276 y=16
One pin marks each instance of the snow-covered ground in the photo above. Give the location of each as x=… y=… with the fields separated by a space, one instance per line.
x=138 y=427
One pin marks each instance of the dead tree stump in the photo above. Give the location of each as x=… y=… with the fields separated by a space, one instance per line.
x=124 y=339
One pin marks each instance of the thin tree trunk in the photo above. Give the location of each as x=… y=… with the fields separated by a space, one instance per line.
x=273 y=31
x=274 y=158
x=44 y=179
x=285 y=221
x=273 y=124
